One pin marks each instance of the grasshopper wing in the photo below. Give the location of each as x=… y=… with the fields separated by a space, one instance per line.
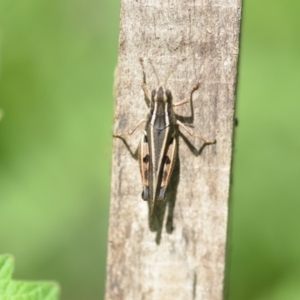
x=144 y=162
x=168 y=166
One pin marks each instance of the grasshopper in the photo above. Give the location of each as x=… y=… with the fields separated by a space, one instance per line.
x=158 y=147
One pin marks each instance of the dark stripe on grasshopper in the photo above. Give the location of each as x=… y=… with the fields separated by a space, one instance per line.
x=160 y=132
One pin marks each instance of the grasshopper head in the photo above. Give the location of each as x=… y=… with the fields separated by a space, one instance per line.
x=161 y=95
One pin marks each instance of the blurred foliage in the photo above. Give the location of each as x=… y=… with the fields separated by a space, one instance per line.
x=23 y=290
x=265 y=223
x=56 y=74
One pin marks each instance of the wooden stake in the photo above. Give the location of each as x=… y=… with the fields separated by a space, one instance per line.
x=178 y=252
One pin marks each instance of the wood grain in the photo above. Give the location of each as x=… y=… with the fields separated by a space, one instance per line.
x=178 y=252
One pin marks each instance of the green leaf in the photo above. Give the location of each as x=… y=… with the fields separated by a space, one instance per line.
x=6 y=267
x=23 y=290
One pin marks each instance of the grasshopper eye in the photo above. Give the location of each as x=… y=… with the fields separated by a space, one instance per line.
x=153 y=93
x=169 y=95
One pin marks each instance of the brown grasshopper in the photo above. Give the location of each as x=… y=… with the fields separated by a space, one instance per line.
x=158 y=147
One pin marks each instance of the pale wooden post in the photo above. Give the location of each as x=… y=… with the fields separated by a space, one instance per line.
x=179 y=252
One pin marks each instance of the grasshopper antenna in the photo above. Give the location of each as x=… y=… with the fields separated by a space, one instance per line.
x=154 y=70
x=172 y=71
x=143 y=68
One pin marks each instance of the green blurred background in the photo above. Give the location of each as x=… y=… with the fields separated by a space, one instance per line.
x=57 y=60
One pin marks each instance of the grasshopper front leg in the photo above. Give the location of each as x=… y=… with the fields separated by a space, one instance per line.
x=188 y=98
x=205 y=141
x=144 y=84
x=129 y=132
x=122 y=136
x=148 y=100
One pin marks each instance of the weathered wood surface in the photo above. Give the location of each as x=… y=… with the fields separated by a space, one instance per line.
x=179 y=252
